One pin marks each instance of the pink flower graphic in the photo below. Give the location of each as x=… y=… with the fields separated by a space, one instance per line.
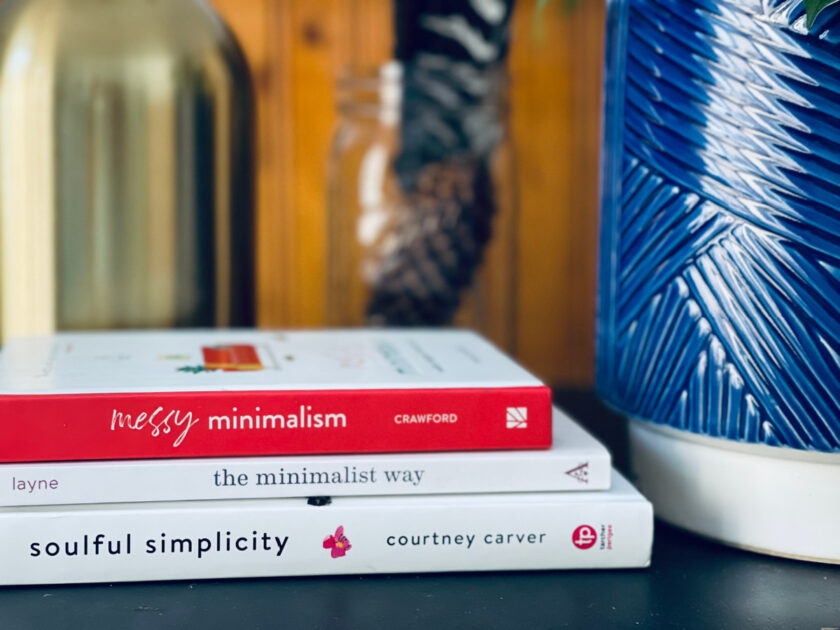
x=337 y=543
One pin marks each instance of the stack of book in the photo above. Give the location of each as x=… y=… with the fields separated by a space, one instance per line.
x=211 y=454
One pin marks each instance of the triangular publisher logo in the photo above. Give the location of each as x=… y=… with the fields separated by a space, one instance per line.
x=581 y=473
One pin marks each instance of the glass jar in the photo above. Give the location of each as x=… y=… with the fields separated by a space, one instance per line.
x=419 y=238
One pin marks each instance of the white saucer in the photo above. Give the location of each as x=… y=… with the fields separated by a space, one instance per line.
x=771 y=500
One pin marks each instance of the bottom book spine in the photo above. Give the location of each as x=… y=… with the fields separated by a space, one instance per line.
x=288 y=537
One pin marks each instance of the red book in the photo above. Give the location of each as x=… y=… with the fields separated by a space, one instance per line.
x=200 y=393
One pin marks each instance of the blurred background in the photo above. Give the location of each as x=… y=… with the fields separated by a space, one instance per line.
x=297 y=48
x=129 y=137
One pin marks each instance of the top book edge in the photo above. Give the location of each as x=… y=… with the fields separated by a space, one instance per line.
x=254 y=360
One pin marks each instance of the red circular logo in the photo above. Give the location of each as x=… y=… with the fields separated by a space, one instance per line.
x=584 y=537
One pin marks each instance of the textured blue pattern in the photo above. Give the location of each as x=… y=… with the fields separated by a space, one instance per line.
x=719 y=297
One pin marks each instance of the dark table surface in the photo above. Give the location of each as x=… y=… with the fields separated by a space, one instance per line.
x=691 y=583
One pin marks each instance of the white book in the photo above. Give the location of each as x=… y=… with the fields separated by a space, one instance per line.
x=350 y=535
x=576 y=461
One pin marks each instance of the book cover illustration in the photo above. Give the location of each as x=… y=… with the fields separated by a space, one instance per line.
x=337 y=543
x=196 y=360
x=228 y=358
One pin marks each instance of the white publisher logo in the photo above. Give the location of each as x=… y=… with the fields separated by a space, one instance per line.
x=517 y=417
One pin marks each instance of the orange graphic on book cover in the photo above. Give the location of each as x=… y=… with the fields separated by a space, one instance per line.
x=233 y=358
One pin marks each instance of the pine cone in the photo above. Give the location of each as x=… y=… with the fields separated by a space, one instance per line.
x=453 y=54
x=439 y=246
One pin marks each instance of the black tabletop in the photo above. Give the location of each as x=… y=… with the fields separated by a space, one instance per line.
x=692 y=583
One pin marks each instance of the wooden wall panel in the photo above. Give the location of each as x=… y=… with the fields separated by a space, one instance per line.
x=296 y=49
x=556 y=61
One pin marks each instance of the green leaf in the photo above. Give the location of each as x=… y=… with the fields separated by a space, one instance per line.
x=193 y=369
x=814 y=7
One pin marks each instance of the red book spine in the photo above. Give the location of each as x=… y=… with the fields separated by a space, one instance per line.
x=232 y=423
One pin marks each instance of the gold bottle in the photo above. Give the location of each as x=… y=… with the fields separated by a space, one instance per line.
x=126 y=178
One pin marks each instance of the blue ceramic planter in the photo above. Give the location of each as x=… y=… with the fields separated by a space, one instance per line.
x=719 y=297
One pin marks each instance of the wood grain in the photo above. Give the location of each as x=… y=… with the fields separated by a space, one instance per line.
x=556 y=61
x=296 y=48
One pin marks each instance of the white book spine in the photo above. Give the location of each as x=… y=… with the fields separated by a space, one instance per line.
x=576 y=462
x=248 y=478
x=287 y=537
